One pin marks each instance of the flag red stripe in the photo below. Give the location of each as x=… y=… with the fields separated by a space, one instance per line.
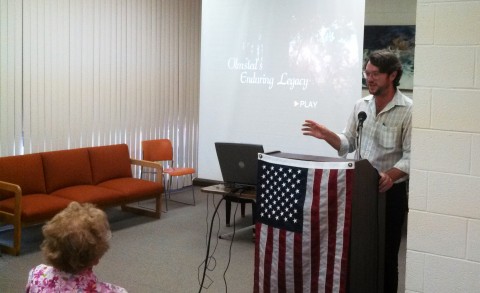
x=282 y=241
x=332 y=228
x=315 y=231
x=268 y=260
x=346 y=229
x=258 y=227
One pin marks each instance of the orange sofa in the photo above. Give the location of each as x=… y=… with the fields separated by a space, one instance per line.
x=34 y=187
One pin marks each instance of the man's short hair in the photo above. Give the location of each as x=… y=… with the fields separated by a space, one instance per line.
x=387 y=62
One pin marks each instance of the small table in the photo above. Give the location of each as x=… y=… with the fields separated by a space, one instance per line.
x=236 y=194
x=239 y=192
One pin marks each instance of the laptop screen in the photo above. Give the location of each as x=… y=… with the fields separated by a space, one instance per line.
x=238 y=162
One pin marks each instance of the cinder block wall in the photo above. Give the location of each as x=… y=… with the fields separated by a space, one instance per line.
x=443 y=240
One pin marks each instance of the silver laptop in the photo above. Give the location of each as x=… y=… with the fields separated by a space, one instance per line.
x=238 y=163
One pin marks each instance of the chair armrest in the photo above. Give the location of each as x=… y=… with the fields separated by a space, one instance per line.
x=150 y=164
x=15 y=219
x=17 y=191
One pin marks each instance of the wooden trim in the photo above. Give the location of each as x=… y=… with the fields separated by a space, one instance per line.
x=14 y=219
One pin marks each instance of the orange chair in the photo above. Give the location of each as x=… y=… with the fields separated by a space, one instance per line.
x=161 y=150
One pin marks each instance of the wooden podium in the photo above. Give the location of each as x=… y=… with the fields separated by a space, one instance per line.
x=366 y=265
x=366 y=246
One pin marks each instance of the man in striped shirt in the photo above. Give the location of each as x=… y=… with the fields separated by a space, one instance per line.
x=385 y=143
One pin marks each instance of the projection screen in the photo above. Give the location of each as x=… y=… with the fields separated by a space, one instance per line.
x=267 y=65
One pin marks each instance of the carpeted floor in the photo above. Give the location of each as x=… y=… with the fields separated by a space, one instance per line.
x=150 y=255
x=166 y=255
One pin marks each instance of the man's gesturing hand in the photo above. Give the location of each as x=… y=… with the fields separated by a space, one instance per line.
x=314 y=129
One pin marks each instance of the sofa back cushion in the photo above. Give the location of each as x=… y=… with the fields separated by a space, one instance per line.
x=110 y=162
x=66 y=168
x=25 y=171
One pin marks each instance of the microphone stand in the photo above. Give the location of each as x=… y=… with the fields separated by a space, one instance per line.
x=358 y=156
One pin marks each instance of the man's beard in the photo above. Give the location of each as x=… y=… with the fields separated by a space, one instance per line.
x=379 y=90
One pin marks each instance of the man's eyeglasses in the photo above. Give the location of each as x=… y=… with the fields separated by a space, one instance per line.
x=374 y=74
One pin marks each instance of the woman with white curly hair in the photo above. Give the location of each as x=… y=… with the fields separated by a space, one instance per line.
x=75 y=240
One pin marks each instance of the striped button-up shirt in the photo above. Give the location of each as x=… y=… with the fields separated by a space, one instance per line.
x=385 y=137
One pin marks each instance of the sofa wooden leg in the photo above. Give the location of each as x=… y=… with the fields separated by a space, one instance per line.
x=17 y=238
x=155 y=213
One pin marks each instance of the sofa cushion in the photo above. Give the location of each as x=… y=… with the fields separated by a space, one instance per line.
x=90 y=193
x=133 y=188
x=36 y=207
x=109 y=162
x=66 y=168
x=25 y=171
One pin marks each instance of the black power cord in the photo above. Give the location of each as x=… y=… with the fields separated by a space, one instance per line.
x=208 y=245
x=230 y=249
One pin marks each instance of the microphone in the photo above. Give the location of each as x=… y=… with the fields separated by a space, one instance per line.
x=361 y=117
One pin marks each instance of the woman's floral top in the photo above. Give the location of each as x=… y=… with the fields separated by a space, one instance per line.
x=45 y=278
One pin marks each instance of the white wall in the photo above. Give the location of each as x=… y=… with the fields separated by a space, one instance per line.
x=390 y=12
x=443 y=246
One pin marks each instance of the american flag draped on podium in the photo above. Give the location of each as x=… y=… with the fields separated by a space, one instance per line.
x=303 y=225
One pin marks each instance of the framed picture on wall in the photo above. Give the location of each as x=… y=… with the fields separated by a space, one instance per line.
x=398 y=38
